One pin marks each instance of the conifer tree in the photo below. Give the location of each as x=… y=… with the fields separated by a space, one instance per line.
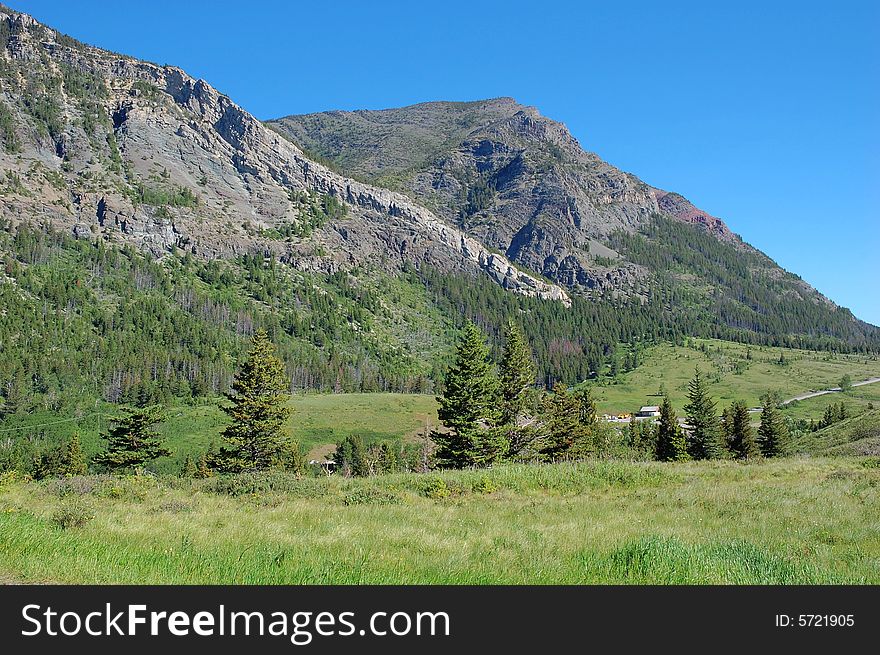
x=203 y=470
x=259 y=410
x=561 y=426
x=351 y=457
x=132 y=441
x=773 y=435
x=641 y=437
x=742 y=437
x=671 y=442
x=188 y=470
x=516 y=375
x=469 y=406
x=73 y=461
x=704 y=440
x=570 y=424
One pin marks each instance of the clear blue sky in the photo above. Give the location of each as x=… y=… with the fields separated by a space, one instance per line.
x=767 y=116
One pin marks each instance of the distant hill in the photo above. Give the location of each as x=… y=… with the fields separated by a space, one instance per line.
x=857 y=435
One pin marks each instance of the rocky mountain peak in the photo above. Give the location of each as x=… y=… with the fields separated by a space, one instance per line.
x=148 y=154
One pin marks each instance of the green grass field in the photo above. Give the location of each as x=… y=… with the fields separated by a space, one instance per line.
x=672 y=367
x=774 y=522
x=856 y=401
x=318 y=420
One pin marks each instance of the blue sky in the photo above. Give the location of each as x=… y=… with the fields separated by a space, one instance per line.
x=767 y=116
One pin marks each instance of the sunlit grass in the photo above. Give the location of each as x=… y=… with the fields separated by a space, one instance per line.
x=776 y=522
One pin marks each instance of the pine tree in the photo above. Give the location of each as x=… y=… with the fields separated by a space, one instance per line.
x=73 y=461
x=704 y=441
x=726 y=424
x=131 y=440
x=259 y=410
x=641 y=437
x=560 y=423
x=203 y=470
x=773 y=435
x=469 y=406
x=351 y=457
x=570 y=425
x=671 y=442
x=188 y=470
x=516 y=375
x=742 y=437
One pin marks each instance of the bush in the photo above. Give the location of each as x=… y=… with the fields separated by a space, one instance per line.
x=246 y=484
x=80 y=485
x=370 y=496
x=484 y=486
x=435 y=488
x=74 y=514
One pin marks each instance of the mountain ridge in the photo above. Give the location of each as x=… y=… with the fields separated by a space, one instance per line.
x=112 y=148
x=201 y=132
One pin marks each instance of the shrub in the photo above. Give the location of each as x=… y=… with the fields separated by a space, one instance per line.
x=484 y=486
x=370 y=496
x=80 y=485
x=74 y=514
x=435 y=488
x=245 y=484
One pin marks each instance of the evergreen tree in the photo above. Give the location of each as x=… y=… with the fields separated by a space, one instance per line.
x=829 y=417
x=773 y=434
x=560 y=423
x=131 y=440
x=188 y=470
x=742 y=437
x=704 y=441
x=846 y=383
x=351 y=457
x=469 y=406
x=203 y=470
x=671 y=442
x=73 y=461
x=641 y=437
x=516 y=375
x=727 y=424
x=570 y=425
x=259 y=411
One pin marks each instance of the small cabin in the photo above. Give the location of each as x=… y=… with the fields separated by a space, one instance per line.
x=648 y=411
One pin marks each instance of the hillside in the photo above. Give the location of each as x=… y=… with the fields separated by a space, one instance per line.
x=148 y=225
x=857 y=435
x=735 y=371
x=122 y=150
x=522 y=184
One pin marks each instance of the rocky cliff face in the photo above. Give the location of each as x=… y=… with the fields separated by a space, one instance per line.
x=510 y=177
x=111 y=147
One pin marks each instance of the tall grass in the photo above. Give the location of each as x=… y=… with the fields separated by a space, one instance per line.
x=794 y=521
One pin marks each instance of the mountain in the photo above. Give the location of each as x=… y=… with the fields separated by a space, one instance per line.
x=148 y=225
x=108 y=145
x=522 y=184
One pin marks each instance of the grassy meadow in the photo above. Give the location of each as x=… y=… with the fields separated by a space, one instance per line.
x=318 y=421
x=732 y=375
x=770 y=522
x=321 y=420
